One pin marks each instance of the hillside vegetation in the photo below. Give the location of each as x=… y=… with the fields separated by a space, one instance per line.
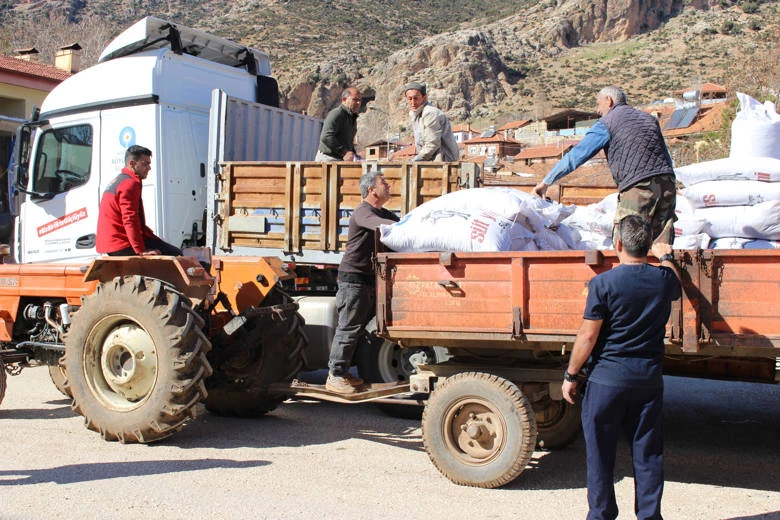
x=485 y=62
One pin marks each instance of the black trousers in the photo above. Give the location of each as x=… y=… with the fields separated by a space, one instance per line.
x=151 y=243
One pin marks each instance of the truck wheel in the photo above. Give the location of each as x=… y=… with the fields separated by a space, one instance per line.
x=382 y=361
x=60 y=379
x=557 y=422
x=479 y=429
x=3 y=378
x=268 y=349
x=135 y=357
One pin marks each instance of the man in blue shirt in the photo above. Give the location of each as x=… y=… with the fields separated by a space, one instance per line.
x=638 y=159
x=622 y=341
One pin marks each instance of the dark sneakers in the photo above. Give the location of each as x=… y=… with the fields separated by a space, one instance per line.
x=346 y=384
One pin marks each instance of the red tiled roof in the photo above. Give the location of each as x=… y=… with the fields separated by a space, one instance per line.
x=33 y=69
x=498 y=138
x=465 y=128
x=708 y=119
x=409 y=151
x=538 y=152
x=514 y=124
x=706 y=88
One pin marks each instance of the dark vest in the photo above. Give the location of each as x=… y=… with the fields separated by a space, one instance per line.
x=636 y=148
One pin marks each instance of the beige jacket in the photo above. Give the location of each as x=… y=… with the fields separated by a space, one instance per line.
x=433 y=135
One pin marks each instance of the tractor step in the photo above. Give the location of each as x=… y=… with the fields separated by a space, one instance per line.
x=368 y=392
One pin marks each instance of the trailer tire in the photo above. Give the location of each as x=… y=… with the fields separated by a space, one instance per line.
x=135 y=356
x=479 y=429
x=557 y=422
x=268 y=349
x=381 y=361
x=3 y=378
x=60 y=379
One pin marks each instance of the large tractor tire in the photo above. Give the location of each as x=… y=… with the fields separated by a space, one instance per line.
x=479 y=430
x=3 y=378
x=60 y=379
x=267 y=349
x=382 y=361
x=557 y=422
x=135 y=357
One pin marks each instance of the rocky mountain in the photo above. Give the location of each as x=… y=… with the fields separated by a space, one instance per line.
x=485 y=62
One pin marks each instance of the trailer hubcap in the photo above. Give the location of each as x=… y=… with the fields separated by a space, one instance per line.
x=475 y=431
x=120 y=363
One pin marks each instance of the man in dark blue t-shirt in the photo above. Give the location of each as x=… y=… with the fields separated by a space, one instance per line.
x=622 y=340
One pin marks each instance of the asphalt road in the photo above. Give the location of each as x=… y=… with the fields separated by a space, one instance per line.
x=319 y=460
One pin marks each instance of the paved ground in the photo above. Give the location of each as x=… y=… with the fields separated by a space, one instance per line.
x=318 y=460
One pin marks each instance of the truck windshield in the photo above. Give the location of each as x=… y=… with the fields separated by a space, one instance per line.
x=63 y=159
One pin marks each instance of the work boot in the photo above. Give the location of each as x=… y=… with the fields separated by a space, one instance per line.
x=346 y=384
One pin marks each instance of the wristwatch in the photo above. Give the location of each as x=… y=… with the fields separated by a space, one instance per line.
x=668 y=257
x=569 y=377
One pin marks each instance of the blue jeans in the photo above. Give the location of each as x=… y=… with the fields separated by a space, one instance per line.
x=356 y=305
x=637 y=412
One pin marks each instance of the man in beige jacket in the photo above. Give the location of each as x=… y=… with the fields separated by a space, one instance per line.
x=433 y=135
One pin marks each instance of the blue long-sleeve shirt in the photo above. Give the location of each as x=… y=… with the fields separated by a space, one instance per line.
x=595 y=139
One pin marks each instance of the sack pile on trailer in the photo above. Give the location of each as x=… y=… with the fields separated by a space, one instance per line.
x=735 y=201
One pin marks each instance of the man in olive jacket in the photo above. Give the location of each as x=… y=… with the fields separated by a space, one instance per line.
x=337 y=140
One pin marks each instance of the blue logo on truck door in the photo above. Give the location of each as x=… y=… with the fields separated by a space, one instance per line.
x=127 y=137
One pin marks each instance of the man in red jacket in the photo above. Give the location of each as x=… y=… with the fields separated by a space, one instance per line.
x=122 y=229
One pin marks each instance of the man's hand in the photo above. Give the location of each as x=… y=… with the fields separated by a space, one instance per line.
x=349 y=156
x=569 y=390
x=660 y=249
x=150 y=252
x=540 y=189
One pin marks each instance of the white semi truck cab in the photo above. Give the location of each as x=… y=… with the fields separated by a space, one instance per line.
x=153 y=86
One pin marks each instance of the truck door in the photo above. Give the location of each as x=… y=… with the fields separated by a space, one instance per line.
x=58 y=215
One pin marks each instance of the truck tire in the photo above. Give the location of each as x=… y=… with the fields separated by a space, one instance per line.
x=60 y=379
x=268 y=349
x=135 y=357
x=3 y=378
x=557 y=422
x=382 y=361
x=479 y=429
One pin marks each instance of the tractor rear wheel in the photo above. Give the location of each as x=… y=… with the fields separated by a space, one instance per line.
x=135 y=357
x=267 y=349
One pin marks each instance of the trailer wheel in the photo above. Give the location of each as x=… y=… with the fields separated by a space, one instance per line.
x=60 y=379
x=557 y=422
x=135 y=357
x=268 y=349
x=479 y=430
x=3 y=378
x=382 y=361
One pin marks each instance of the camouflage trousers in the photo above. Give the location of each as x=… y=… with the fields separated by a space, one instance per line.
x=654 y=199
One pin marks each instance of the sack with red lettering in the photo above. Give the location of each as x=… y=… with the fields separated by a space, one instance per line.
x=448 y=230
x=765 y=169
x=759 y=221
x=731 y=193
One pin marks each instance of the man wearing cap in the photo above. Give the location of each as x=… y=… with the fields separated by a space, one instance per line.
x=433 y=135
x=337 y=140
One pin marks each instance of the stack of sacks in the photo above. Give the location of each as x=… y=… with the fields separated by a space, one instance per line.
x=738 y=198
x=594 y=223
x=483 y=219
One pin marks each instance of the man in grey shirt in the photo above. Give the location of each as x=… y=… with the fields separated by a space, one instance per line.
x=356 y=295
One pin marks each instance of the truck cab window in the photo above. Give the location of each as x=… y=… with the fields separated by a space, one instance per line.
x=64 y=159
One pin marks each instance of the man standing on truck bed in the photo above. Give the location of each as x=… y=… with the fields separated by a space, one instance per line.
x=638 y=158
x=433 y=137
x=337 y=140
x=356 y=295
x=622 y=338
x=122 y=229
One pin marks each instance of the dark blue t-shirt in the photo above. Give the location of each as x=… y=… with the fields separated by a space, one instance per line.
x=635 y=301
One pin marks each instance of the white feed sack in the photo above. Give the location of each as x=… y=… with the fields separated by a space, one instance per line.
x=731 y=193
x=755 y=131
x=761 y=221
x=482 y=219
x=766 y=169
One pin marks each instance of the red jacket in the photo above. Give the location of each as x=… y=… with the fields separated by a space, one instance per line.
x=121 y=221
